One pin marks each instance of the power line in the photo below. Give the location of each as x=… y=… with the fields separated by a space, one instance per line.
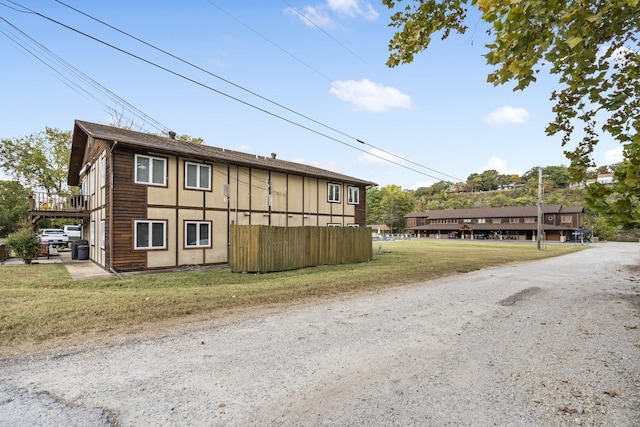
x=306 y=18
x=44 y=51
x=240 y=100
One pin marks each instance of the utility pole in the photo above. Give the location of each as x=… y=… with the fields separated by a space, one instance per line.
x=540 y=213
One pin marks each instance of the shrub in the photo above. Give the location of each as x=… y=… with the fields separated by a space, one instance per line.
x=24 y=244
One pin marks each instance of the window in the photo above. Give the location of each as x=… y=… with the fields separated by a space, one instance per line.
x=92 y=233
x=496 y=220
x=468 y=221
x=102 y=234
x=482 y=220
x=197 y=176
x=566 y=219
x=197 y=234
x=353 y=195
x=149 y=234
x=92 y=180
x=514 y=220
x=353 y=225
x=334 y=225
x=334 y=193
x=103 y=171
x=150 y=170
x=530 y=219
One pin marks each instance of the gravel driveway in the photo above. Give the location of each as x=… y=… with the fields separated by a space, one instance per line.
x=547 y=343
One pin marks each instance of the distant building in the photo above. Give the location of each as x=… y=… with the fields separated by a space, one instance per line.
x=512 y=223
x=603 y=178
x=379 y=228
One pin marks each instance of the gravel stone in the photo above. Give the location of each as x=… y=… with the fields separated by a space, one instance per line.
x=531 y=344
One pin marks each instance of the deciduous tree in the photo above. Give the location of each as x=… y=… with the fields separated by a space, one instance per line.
x=38 y=161
x=592 y=46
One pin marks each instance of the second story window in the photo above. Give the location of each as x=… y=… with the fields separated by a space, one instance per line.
x=333 y=193
x=151 y=170
x=197 y=176
x=353 y=195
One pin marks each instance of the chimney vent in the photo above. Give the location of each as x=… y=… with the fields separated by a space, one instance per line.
x=172 y=134
x=273 y=155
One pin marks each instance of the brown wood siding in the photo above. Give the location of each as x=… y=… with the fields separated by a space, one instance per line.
x=361 y=208
x=108 y=214
x=129 y=203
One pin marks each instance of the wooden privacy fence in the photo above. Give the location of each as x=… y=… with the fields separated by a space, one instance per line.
x=263 y=248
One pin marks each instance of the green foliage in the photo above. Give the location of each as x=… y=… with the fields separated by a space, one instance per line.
x=389 y=205
x=25 y=244
x=38 y=161
x=14 y=207
x=593 y=49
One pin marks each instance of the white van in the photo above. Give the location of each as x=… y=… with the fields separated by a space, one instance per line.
x=73 y=231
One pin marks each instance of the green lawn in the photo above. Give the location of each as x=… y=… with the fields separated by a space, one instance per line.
x=41 y=305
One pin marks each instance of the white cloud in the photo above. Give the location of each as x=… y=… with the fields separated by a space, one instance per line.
x=507 y=115
x=320 y=15
x=313 y=16
x=353 y=8
x=614 y=155
x=365 y=95
x=500 y=165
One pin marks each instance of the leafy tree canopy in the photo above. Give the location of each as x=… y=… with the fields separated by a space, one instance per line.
x=38 y=161
x=593 y=48
x=14 y=207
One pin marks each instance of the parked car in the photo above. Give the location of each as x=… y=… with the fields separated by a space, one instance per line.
x=54 y=236
x=73 y=231
x=453 y=235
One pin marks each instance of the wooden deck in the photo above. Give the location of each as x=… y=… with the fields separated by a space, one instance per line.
x=46 y=205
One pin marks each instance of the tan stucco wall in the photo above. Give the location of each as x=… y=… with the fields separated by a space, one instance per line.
x=219 y=238
x=216 y=197
x=165 y=195
x=259 y=190
x=163 y=258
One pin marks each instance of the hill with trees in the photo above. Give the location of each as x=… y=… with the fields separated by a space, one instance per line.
x=388 y=205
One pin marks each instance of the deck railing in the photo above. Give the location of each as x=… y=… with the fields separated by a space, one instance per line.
x=57 y=203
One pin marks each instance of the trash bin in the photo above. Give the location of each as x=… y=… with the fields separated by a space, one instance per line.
x=74 y=247
x=74 y=250
x=83 y=252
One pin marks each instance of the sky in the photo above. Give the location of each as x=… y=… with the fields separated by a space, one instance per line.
x=306 y=80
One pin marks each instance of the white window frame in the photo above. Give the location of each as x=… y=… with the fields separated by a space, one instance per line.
x=353 y=225
x=151 y=160
x=353 y=195
x=333 y=196
x=103 y=171
x=198 y=224
x=103 y=234
x=92 y=233
x=150 y=223
x=198 y=185
x=333 y=224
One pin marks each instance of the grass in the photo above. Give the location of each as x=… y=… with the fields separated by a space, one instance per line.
x=42 y=306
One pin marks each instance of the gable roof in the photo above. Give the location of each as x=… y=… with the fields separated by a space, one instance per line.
x=505 y=212
x=161 y=144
